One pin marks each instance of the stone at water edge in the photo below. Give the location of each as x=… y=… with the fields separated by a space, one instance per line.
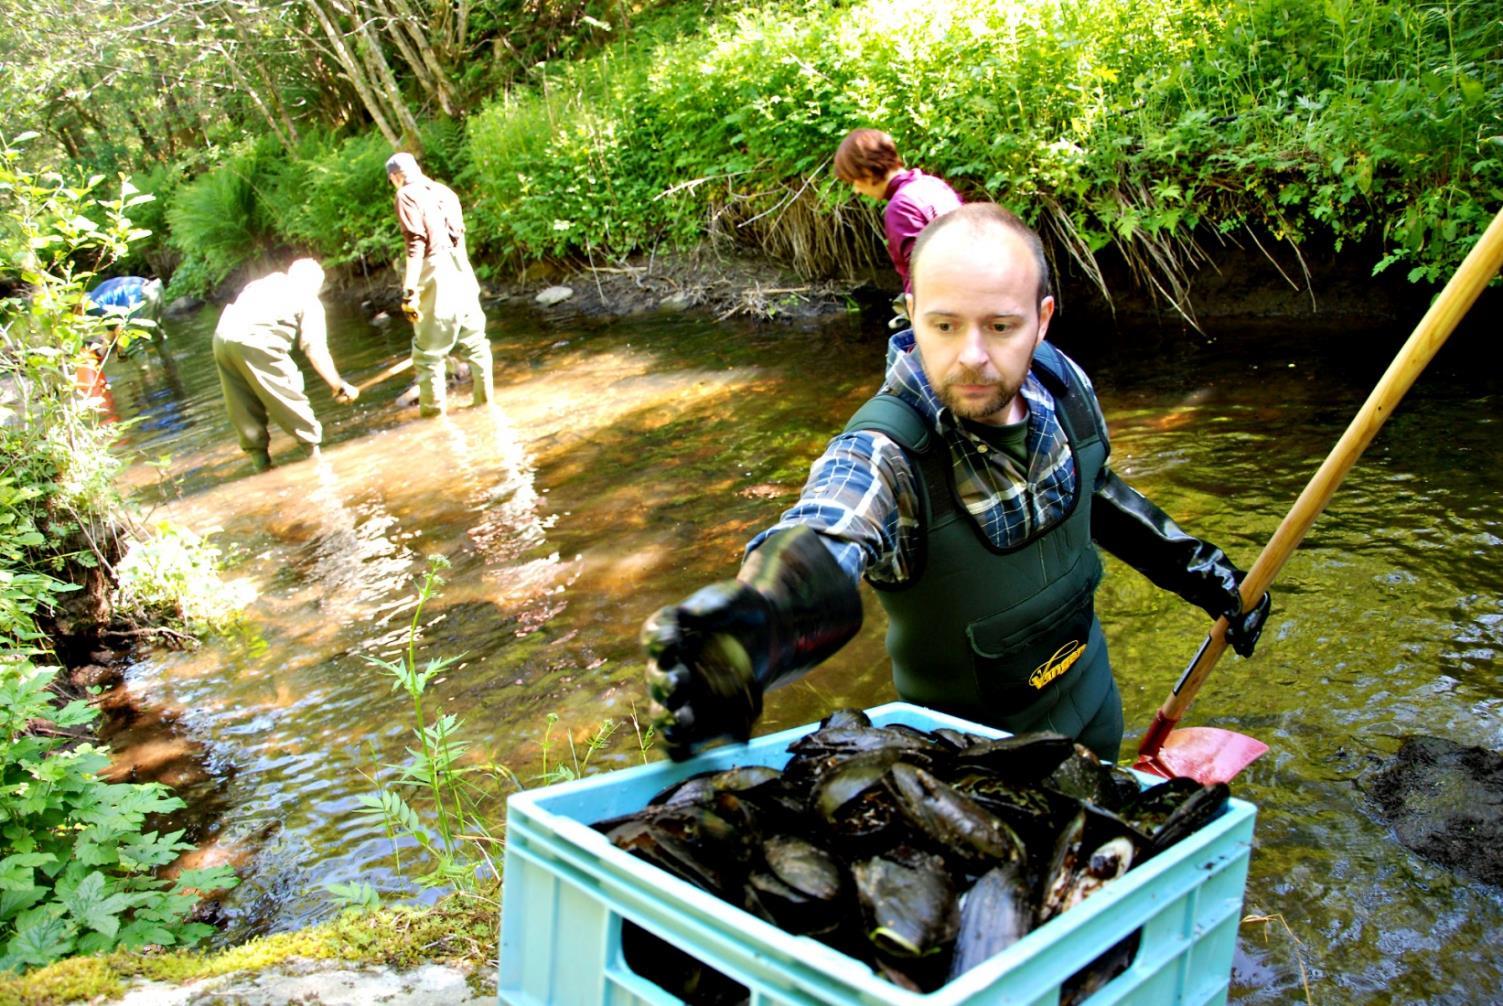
x=554 y=295
x=1445 y=802
x=304 y=981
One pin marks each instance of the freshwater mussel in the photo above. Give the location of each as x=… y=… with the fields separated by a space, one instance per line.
x=922 y=854
x=797 y=886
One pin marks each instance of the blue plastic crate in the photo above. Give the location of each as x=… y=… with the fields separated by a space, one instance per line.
x=568 y=891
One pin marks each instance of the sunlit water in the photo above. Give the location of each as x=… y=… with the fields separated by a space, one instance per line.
x=624 y=466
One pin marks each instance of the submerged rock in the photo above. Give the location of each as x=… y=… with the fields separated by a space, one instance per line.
x=183 y=305
x=1445 y=802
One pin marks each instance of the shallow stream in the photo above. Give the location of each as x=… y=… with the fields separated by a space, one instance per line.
x=624 y=466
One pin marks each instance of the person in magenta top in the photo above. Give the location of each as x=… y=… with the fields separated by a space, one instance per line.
x=867 y=160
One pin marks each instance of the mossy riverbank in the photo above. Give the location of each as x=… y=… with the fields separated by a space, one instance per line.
x=459 y=934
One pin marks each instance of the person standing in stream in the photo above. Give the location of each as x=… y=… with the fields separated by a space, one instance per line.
x=440 y=294
x=971 y=492
x=253 y=352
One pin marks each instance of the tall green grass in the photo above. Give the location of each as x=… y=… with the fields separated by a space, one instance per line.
x=1150 y=125
x=1155 y=127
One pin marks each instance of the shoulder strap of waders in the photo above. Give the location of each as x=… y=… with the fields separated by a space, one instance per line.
x=1080 y=417
x=902 y=422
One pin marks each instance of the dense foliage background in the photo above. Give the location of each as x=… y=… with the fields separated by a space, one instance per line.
x=599 y=129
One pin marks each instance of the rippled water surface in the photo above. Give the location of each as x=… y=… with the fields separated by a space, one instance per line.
x=624 y=466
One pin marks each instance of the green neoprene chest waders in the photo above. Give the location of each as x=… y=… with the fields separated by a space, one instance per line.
x=1006 y=637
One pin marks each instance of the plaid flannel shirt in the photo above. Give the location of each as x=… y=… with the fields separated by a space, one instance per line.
x=862 y=493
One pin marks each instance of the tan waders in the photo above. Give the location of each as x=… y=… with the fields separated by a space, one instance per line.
x=261 y=382
x=449 y=320
x=260 y=385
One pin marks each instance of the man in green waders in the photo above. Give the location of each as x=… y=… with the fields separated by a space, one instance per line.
x=253 y=351
x=440 y=294
x=969 y=493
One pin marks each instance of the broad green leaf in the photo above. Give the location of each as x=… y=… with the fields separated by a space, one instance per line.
x=356 y=894
x=16 y=871
x=41 y=941
x=213 y=878
x=141 y=933
x=91 y=907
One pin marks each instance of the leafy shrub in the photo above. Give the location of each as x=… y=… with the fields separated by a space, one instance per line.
x=576 y=169
x=220 y=219
x=329 y=197
x=172 y=576
x=78 y=875
x=333 y=199
x=151 y=255
x=24 y=589
x=1138 y=124
x=1145 y=125
x=78 y=872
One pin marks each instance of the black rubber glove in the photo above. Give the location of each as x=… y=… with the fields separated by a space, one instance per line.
x=710 y=658
x=1244 y=628
x=1128 y=525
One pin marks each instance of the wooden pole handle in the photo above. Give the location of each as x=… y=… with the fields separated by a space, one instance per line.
x=1476 y=271
x=385 y=375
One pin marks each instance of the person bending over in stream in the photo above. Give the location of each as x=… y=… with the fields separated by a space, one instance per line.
x=969 y=493
x=253 y=351
x=440 y=294
x=123 y=299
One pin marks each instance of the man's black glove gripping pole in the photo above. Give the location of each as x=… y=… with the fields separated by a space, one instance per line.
x=1126 y=524
x=710 y=658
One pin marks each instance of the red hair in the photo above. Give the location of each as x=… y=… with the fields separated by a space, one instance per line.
x=866 y=155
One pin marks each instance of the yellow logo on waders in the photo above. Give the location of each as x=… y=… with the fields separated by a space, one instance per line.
x=1062 y=660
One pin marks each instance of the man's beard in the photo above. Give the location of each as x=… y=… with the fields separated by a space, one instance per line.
x=1002 y=394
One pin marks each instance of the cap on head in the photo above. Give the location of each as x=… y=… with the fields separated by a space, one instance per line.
x=405 y=163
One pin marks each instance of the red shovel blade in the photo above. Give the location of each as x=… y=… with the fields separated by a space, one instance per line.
x=1206 y=754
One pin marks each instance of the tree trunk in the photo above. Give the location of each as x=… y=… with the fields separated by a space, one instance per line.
x=353 y=72
x=461 y=31
x=369 y=48
x=334 y=99
x=80 y=107
x=288 y=141
x=65 y=136
x=418 y=50
x=86 y=117
x=405 y=39
x=179 y=127
x=440 y=51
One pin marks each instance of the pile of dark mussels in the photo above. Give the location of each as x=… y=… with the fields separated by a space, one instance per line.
x=922 y=853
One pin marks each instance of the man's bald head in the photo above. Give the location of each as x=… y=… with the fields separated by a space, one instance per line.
x=980 y=220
